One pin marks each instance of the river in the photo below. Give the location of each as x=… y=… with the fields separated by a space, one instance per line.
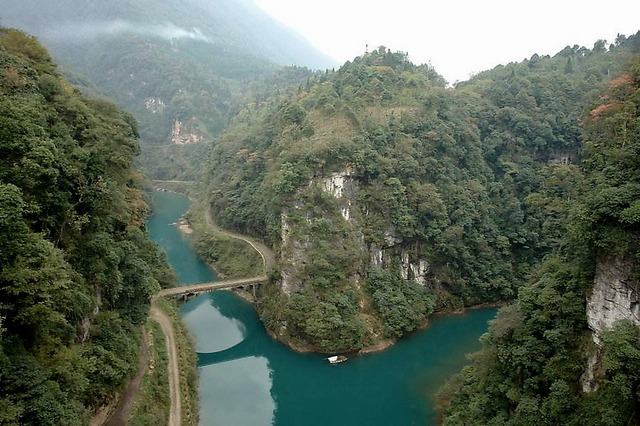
x=246 y=378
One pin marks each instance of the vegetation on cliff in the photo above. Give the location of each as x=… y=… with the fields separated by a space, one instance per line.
x=536 y=351
x=76 y=267
x=460 y=189
x=183 y=68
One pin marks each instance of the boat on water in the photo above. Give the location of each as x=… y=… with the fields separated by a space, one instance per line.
x=336 y=359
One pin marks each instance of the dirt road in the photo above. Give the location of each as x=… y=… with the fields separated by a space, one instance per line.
x=268 y=257
x=124 y=406
x=175 y=414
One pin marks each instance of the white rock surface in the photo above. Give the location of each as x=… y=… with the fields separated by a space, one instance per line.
x=377 y=255
x=155 y=105
x=334 y=184
x=179 y=137
x=415 y=271
x=614 y=297
x=404 y=265
x=419 y=271
x=337 y=184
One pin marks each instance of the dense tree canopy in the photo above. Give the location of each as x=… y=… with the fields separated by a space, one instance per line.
x=536 y=351
x=76 y=267
x=473 y=180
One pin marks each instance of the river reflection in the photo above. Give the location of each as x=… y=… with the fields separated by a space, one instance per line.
x=237 y=393
x=235 y=381
x=287 y=388
x=246 y=378
x=211 y=330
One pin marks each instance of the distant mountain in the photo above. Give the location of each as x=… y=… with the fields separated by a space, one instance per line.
x=182 y=67
x=237 y=26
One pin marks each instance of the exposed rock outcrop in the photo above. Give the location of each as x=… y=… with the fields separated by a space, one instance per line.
x=179 y=136
x=563 y=158
x=614 y=296
x=342 y=187
x=292 y=256
x=296 y=245
x=154 y=105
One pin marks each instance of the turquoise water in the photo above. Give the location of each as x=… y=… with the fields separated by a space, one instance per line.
x=184 y=261
x=246 y=378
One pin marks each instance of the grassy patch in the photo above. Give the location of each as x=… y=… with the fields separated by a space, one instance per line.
x=233 y=258
x=187 y=359
x=152 y=406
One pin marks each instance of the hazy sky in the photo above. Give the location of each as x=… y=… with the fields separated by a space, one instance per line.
x=459 y=37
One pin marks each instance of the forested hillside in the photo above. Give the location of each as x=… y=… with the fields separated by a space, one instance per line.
x=551 y=358
x=390 y=195
x=76 y=267
x=182 y=68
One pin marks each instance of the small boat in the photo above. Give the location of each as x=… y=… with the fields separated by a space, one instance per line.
x=337 y=359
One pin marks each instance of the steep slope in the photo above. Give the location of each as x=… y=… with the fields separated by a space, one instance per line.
x=389 y=195
x=551 y=358
x=182 y=68
x=237 y=26
x=76 y=267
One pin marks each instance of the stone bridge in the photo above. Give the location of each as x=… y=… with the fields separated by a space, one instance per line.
x=194 y=289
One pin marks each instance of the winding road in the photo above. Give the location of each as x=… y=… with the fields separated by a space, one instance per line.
x=124 y=406
x=268 y=258
x=173 y=367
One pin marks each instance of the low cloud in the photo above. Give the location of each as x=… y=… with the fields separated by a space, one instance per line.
x=90 y=31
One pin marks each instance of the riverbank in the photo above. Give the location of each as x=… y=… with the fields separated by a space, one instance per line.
x=465 y=309
x=166 y=356
x=383 y=344
x=388 y=343
x=226 y=253
x=185 y=228
x=198 y=225
x=185 y=369
x=229 y=256
x=248 y=377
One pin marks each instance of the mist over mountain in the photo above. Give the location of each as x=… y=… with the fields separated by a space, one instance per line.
x=182 y=68
x=233 y=25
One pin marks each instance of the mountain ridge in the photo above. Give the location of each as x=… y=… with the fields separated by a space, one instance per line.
x=230 y=23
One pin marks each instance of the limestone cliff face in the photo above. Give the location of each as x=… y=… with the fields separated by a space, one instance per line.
x=614 y=296
x=181 y=136
x=412 y=267
x=154 y=105
x=343 y=188
x=416 y=270
x=296 y=250
x=327 y=234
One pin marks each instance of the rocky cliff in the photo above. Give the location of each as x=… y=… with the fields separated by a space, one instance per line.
x=343 y=189
x=182 y=136
x=301 y=222
x=326 y=257
x=614 y=297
